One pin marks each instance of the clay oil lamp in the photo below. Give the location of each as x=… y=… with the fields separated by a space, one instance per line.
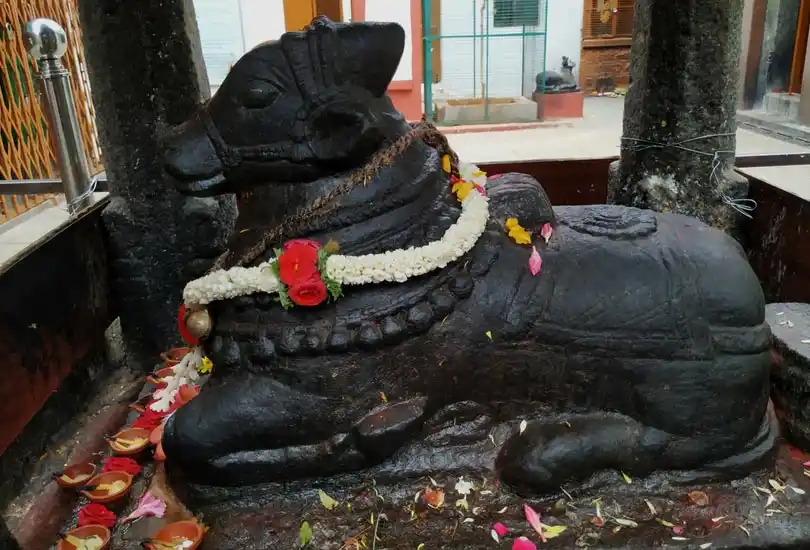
x=129 y=441
x=75 y=475
x=174 y=356
x=107 y=487
x=89 y=537
x=182 y=534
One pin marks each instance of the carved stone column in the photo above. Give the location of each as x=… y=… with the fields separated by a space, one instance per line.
x=680 y=112
x=146 y=72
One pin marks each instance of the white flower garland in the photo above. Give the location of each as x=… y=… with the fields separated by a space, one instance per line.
x=392 y=266
x=183 y=373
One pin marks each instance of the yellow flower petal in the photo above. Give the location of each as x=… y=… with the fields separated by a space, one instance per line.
x=520 y=235
x=512 y=222
x=446 y=163
x=206 y=366
x=479 y=173
x=462 y=189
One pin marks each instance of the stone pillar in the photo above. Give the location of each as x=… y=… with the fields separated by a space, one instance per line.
x=146 y=72
x=680 y=110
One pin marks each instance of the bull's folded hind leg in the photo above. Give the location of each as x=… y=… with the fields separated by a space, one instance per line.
x=574 y=447
x=551 y=453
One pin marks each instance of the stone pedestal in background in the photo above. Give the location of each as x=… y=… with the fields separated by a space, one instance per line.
x=684 y=64
x=146 y=71
x=790 y=379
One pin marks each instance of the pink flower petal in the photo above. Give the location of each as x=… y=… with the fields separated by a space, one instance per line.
x=494 y=176
x=500 y=528
x=149 y=505
x=480 y=190
x=678 y=529
x=535 y=262
x=546 y=232
x=522 y=543
x=806 y=464
x=534 y=520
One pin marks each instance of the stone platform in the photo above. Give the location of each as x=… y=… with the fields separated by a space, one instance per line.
x=739 y=515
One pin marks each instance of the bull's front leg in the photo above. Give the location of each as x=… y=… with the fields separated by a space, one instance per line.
x=255 y=429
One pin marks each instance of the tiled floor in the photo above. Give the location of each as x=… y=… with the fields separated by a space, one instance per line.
x=15 y=240
x=597 y=135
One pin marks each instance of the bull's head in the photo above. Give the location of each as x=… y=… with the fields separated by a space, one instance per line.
x=291 y=110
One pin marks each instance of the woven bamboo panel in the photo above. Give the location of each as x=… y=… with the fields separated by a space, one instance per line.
x=25 y=148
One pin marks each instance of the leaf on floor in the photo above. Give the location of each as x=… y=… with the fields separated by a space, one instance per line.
x=304 y=534
x=328 y=502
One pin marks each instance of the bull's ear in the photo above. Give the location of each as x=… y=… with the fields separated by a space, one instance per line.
x=371 y=52
x=343 y=130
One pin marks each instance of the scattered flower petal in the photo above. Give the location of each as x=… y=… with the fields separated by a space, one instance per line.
x=522 y=543
x=625 y=522
x=494 y=534
x=678 y=529
x=534 y=520
x=653 y=511
x=705 y=545
x=500 y=529
x=148 y=506
x=489 y=334
x=680 y=538
x=598 y=521
x=797 y=490
x=523 y=425
x=535 y=262
x=546 y=231
x=463 y=487
x=627 y=479
x=664 y=522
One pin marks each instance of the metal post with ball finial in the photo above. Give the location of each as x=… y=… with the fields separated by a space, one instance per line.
x=46 y=42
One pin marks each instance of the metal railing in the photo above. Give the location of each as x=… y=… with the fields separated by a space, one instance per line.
x=46 y=42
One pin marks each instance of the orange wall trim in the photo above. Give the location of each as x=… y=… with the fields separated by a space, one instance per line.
x=405 y=94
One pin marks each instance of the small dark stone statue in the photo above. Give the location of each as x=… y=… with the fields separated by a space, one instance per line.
x=641 y=346
x=552 y=82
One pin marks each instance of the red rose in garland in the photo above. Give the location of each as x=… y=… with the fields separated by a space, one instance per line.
x=95 y=514
x=120 y=464
x=308 y=293
x=298 y=262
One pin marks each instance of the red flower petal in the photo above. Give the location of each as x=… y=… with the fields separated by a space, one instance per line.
x=95 y=514
x=181 y=326
x=120 y=464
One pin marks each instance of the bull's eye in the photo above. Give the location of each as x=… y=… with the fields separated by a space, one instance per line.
x=259 y=96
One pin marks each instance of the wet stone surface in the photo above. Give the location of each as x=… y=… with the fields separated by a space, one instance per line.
x=790 y=379
x=767 y=510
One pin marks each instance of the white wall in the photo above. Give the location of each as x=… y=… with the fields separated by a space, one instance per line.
x=564 y=32
x=229 y=28
x=513 y=61
x=395 y=11
x=262 y=20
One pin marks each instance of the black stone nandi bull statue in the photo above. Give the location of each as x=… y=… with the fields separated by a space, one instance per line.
x=641 y=347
